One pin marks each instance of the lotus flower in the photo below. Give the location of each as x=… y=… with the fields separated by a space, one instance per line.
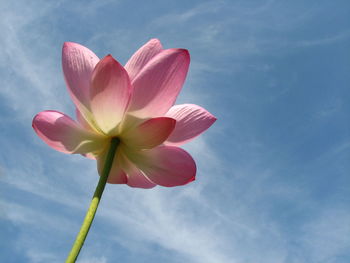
x=133 y=103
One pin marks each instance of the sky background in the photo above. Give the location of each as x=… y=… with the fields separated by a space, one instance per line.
x=273 y=181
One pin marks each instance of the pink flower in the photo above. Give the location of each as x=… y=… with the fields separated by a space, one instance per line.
x=133 y=103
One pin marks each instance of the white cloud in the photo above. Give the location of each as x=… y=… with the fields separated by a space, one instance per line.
x=30 y=77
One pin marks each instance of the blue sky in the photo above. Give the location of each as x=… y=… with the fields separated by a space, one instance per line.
x=273 y=172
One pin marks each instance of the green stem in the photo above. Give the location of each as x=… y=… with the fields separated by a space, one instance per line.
x=79 y=241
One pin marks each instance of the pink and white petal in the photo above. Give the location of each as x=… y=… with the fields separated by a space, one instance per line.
x=191 y=121
x=87 y=121
x=135 y=177
x=142 y=56
x=63 y=134
x=158 y=84
x=109 y=94
x=130 y=122
x=78 y=63
x=149 y=134
x=116 y=174
x=81 y=120
x=139 y=180
x=165 y=165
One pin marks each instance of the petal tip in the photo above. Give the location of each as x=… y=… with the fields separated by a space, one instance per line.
x=68 y=44
x=184 y=52
x=110 y=59
x=213 y=118
x=191 y=179
x=154 y=40
x=33 y=122
x=181 y=53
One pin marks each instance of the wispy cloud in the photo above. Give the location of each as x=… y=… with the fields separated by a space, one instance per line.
x=334 y=38
x=327 y=235
x=30 y=71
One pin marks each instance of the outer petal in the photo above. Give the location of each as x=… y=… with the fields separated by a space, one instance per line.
x=78 y=63
x=158 y=84
x=117 y=174
x=149 y=134
x=142 y=57
x=165 y=165
x=65 y=135
x=135 y=177
x=191 y=121
x=110 y=93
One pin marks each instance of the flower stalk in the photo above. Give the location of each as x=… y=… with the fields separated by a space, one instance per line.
x=80 y=239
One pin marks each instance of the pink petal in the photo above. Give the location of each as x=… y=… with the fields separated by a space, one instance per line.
x=65 y=135
x=81 y=120
x=165 y=165
x=149 y=134
x=116 y=174
x=135 y=177
x=78 y=63
x=159 y=82
x=191 y=121
x=142 y=56
x=110 y=93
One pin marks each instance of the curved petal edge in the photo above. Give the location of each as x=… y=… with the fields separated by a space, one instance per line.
x=109 y=93
x=142 y=56
x=63 y=134
x=191 y=121
x=165 y=165
x=158 y=84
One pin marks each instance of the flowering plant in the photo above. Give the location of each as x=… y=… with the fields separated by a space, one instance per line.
x=126 y=119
